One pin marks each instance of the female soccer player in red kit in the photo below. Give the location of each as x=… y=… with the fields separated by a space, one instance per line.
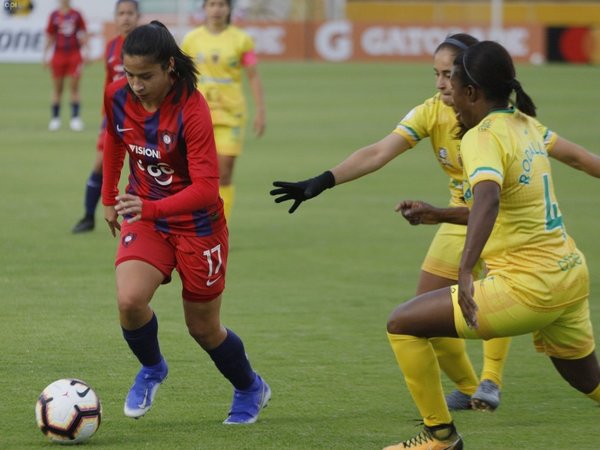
x=127 y=14
x=172 y=216
x=66 y=34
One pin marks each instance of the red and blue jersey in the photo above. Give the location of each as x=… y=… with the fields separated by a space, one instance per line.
x=113 y=64
x=65 y=28
x=172 y=160
x=113 y=60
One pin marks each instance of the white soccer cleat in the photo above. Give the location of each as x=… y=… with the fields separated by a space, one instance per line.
x=54 y=124
x=76 y=124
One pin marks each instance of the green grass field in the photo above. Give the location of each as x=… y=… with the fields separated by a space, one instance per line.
x=309 y=293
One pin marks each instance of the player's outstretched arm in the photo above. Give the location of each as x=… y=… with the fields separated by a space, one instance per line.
x=363 y=161
x=576 y=156
x=370 y=158
x=300 y=191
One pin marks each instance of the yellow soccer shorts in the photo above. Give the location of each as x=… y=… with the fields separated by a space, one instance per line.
x=443 y=256
x=229 y=139
x=564 y=333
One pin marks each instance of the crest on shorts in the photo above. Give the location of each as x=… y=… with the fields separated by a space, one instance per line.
x=128 y=239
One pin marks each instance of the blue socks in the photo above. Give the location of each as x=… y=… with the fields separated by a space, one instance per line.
x=231 y=360
x=143 y=342
x=75 y=109
x=229 y=357
x=93 y=190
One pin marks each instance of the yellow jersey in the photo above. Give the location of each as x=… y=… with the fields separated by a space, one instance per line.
x=436 y=120
x=528 y=245
x=220 y=59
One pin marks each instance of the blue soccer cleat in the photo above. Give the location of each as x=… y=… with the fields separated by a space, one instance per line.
x=141 y=395
x=458 y=401
x=487 y=396
x=247 y=404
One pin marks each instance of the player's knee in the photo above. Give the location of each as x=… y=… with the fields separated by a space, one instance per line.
x=131 y=305
x=204 y=334
x=398 y=322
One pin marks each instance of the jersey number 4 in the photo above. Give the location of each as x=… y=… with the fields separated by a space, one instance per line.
x=553 y=216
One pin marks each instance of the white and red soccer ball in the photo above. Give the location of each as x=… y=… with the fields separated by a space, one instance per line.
x=68 y=411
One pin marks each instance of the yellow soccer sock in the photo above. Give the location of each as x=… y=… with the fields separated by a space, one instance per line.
x=417 y=360
x=227 y=193
x=455 y=363
x=595 y=394
x=495 y=352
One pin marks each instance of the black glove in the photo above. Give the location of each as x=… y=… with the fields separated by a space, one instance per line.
x=302 y=190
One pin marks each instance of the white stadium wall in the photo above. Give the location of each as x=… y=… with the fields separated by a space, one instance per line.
x=22 y=34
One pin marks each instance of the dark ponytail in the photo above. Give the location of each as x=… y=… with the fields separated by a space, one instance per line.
x=155 y=42
x=488 y=66
x=522 y=100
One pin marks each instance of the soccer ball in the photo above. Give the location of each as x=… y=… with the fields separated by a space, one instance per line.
x=68 y=411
